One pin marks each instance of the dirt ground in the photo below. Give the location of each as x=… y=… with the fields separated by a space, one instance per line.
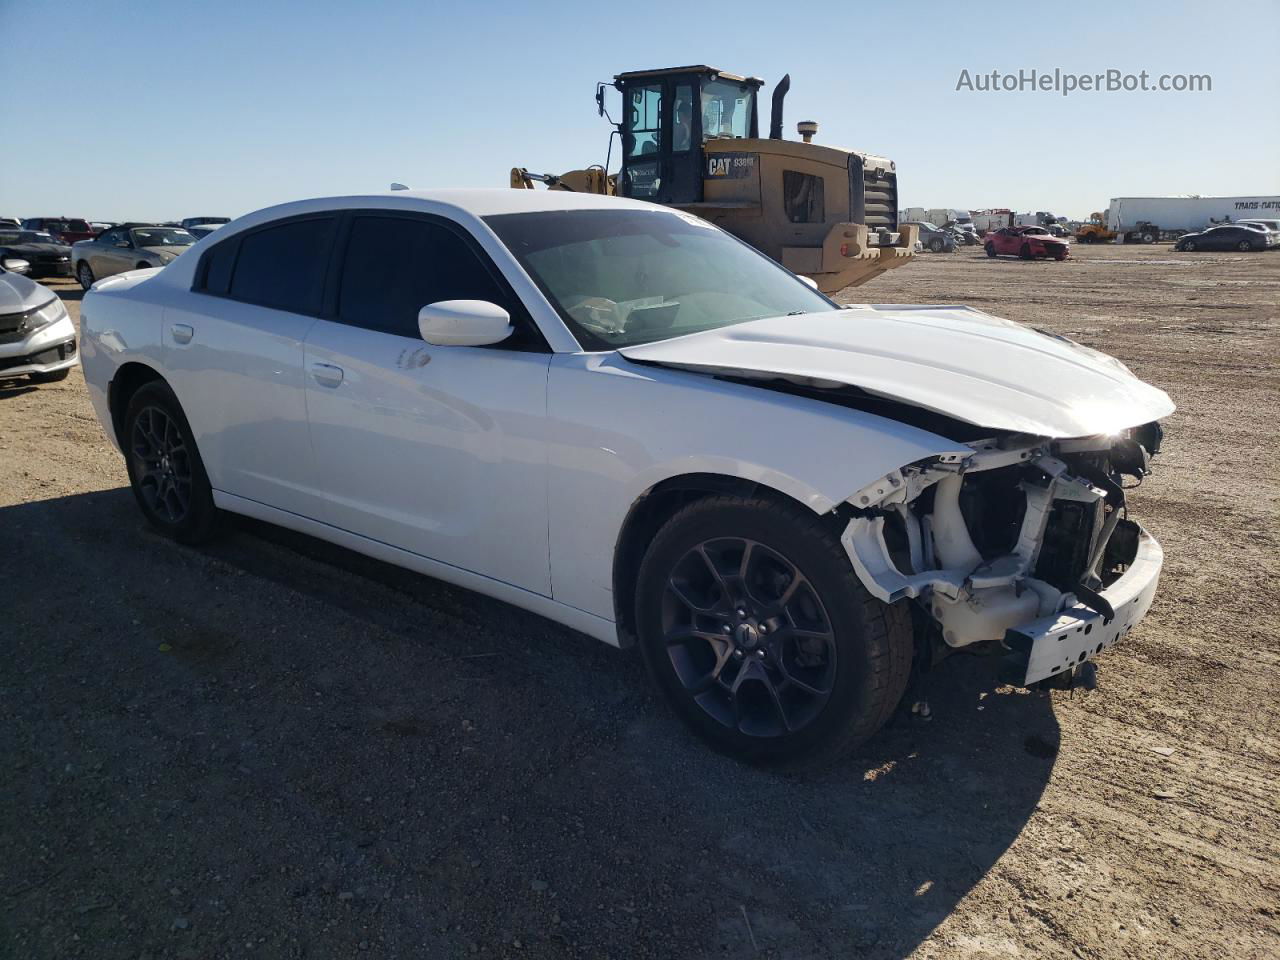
x=274 y=748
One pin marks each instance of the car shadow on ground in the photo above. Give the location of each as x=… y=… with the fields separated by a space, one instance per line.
x=320 y=750
x=15 y=387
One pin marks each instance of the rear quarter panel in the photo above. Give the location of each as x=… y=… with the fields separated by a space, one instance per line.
x=120 y=322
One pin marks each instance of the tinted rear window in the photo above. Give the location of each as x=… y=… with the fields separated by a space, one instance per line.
x=283 y=267
x=218 y=264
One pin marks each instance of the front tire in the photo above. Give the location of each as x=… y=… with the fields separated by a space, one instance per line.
x=991 y=250
x=84 y=273
x=754 y=625
x=1189 y=245
x=1025 y=252
x=936 y=245
x=165 y=470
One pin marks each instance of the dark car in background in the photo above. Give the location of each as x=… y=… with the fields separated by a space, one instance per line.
x=1226 y=237
x=46 y=256
x=130 y=246
x=933 y=237
x=66 y=230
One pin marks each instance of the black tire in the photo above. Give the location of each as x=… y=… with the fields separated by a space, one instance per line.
x=84 y=273
x=991 y=250
x=1148 y=237
x=1060 y=254
x=1244 y=246
x=1188 y=245
x=1025 y=252
x=808 y=699
x=165 y=470
x=51 y=377
x=936 y=245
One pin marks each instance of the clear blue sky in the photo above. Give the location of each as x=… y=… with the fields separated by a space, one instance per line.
x=167 y=109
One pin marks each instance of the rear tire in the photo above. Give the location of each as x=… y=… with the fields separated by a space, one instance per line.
x=1148 y=237
x=84 y=273
x=165 y=470
x=754 y=625
x=1244 y=246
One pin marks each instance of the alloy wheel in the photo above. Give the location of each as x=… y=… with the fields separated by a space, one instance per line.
x=162 y=464
x=748 y=637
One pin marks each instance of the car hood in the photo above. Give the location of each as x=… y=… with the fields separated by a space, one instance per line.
x=18 y=294
x=953 y=360
x=167 y=252
x=60 y=249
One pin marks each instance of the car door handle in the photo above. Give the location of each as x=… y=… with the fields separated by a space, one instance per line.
x=182 y=333
x=326 y=374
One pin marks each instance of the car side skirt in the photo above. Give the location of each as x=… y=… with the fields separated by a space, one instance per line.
x=572 y=617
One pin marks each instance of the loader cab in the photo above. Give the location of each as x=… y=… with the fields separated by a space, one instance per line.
x=668 y=116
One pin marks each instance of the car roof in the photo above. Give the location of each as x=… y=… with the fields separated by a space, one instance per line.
x=480 y=201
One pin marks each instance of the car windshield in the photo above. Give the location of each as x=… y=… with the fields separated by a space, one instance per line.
x=162 y=237
x=624 y=277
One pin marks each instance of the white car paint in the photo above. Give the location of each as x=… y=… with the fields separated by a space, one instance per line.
x=512 y=473
x=950 y=359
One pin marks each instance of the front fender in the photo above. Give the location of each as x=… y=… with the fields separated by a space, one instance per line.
x=617 y=429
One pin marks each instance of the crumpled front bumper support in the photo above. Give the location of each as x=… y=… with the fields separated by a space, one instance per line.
x=1064 y=640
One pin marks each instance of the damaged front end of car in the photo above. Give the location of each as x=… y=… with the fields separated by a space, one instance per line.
x=1021 y=548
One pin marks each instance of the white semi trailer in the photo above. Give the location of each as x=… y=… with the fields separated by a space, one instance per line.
x=1148 y=219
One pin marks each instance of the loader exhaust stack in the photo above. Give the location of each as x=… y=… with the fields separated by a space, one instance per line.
x=775 y=113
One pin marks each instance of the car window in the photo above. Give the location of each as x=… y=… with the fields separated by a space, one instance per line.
x=619 y=277
x=163 y=237
x=216 y=267
x=283 y=266
x=395 y=266
x=111 y=236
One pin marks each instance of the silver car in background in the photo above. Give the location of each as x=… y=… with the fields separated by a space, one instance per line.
x=37 y=338
x=130 y=246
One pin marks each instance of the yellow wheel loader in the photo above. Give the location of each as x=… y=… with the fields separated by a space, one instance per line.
x=1095 y=230
x=690 y=139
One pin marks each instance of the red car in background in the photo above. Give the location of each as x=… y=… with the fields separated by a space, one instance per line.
x=1027 y=243
x=66 y=230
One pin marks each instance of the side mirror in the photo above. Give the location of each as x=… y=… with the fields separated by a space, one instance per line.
x=464 y=323
x=16 y=265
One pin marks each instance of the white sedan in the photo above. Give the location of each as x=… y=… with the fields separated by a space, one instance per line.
x=622 y=418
